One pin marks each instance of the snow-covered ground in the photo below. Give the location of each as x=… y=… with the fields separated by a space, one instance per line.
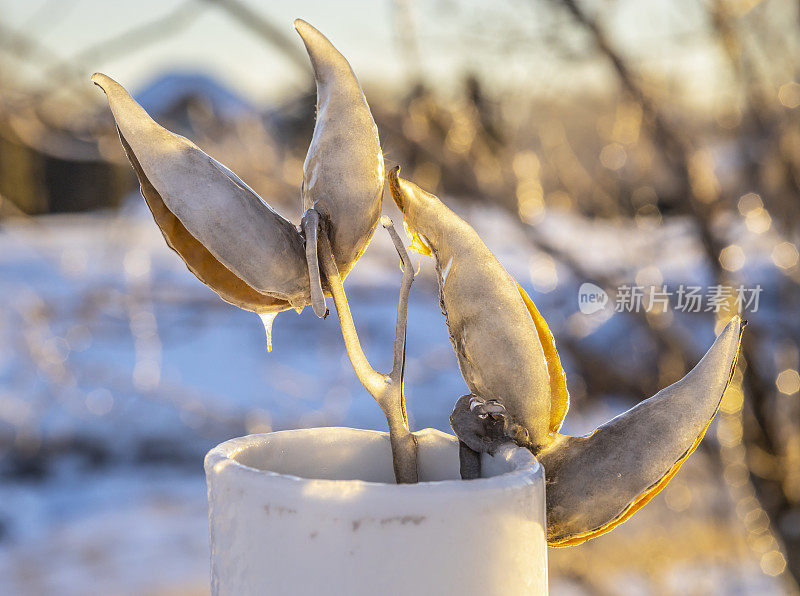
x=119 y=370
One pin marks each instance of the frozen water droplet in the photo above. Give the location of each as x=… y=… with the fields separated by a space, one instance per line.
x=268 y=318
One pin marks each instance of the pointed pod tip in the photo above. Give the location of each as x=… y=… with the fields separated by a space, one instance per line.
x=330 y=66
x=306 y=30
x=734 y=326
x=598 y=481
x=395 y=186
x=100 y=80
x=300 y=24
x=107 y=84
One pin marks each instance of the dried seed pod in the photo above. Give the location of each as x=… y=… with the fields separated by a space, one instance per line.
x=228 y=237
x=596 y=482
x=343 y=174
x=498 y=345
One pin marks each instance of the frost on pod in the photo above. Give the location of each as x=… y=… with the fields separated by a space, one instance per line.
x=594 y=482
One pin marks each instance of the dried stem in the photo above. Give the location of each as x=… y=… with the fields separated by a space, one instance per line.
x=398 y=368
x=386 y=389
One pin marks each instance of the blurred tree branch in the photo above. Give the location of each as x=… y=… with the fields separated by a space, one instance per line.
x=680 y=153
x=274 y=36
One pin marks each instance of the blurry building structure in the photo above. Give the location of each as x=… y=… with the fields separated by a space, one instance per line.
x=48 y=170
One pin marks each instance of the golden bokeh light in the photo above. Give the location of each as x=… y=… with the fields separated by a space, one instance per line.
x=732 y=400
x=526 y=164
x=648 y=217
x=678 y=496
x=773 y=563
x=789 y=94
x=613 y=156
x=758 y=220
x=729 y=435
x=649 y=276
x=785 y=255
x=788 y=381
x=749 y=202
x=732 y=257
x=530 y=196
x=543 y=273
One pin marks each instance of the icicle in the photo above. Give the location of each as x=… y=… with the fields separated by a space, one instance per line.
x=268 y=318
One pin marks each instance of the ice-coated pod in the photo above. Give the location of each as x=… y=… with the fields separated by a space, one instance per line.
x=499 y=346
x=596 y=482
x=228 y=237
x=343 y=174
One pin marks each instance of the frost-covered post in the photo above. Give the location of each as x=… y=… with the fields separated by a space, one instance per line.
x=316 y=511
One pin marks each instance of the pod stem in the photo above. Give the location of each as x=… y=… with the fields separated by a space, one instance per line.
x=310 y=226
x=387 y=389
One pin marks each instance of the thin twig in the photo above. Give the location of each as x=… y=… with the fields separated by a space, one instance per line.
x=402 y=303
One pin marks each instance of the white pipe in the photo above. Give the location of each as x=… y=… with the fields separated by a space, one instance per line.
x=316 y=511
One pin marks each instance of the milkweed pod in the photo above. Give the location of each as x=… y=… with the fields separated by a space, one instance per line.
x=494 y=335
x=227 y=236
x=598 y=481
x=343 y=174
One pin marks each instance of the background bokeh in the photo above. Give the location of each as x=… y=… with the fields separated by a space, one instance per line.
x=612 y=142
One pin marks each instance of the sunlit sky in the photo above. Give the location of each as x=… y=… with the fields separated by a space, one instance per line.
x=505 y=40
